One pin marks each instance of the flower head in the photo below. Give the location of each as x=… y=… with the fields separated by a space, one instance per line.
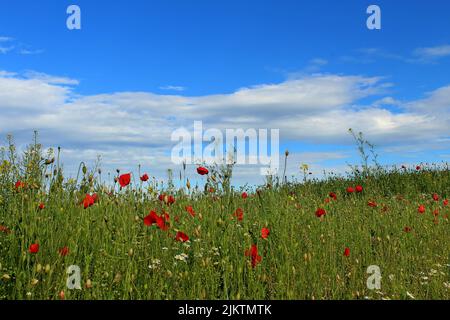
x=347 y=252
x=34 y=248
x=124 y=180
x=151 y=218
x=182 y=237
x=239 y=214
x=372 y=204
x=88 y=201
x=421 y=208
x=320 y=212
x=202 y=171
x=64 y=251
x=190 y=210
x=253 y=253
x=265 y=233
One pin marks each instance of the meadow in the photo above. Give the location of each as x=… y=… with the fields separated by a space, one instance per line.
x=286 y=239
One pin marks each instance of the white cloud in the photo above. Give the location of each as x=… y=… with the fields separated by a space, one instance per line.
x=173 y=88
x=30 y=52
x=128 y=128
x=49 y=79
x=4 y=50
x=10 y=44
x=431 y=53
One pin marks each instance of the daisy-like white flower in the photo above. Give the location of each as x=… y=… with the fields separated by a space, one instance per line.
x=182 y=257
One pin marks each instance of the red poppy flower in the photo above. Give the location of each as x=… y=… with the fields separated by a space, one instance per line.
x=359 y=188
x=144 y=177
x=165 y=216
x=211 y=190
x=350 y=190
x=445 y=202
x=64 y=251
x=436 y=212
x=161 y=197
x=88 y=201
x=347 y=252
x=333 y=195
x=171 y=200
x=161 y=223
x=244 y=195
x=190 y=210
x=418 y=168
x=95 y=197
x=320 y=212
x=125 y=179
x=327 y=200
x=19 y=185
x=253 y=253
x=421 y=208
x=202 y=171
x=41 y=206
x=34 y=248
x=150 y=219
x=372 y=204
x=4 y=229
x=182 y=237
x=239 y=214
x=435 y=197
x=265 y=233
x=407 y=229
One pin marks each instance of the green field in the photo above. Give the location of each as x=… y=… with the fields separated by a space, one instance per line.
x=121 y=256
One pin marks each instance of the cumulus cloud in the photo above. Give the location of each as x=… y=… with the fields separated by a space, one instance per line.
x=127 y=128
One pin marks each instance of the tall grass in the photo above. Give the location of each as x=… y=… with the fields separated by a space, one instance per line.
x=302 y=258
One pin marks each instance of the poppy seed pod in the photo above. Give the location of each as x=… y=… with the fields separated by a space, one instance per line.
x=49 y=161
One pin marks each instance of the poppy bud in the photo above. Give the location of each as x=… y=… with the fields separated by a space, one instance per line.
x=49 y=161
x=188 y=184
x=117 y=278
x=84 y=170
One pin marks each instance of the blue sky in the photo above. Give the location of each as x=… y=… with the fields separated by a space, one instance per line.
x=391 y=83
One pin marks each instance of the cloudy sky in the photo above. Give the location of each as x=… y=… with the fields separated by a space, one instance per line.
x=138 y=70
